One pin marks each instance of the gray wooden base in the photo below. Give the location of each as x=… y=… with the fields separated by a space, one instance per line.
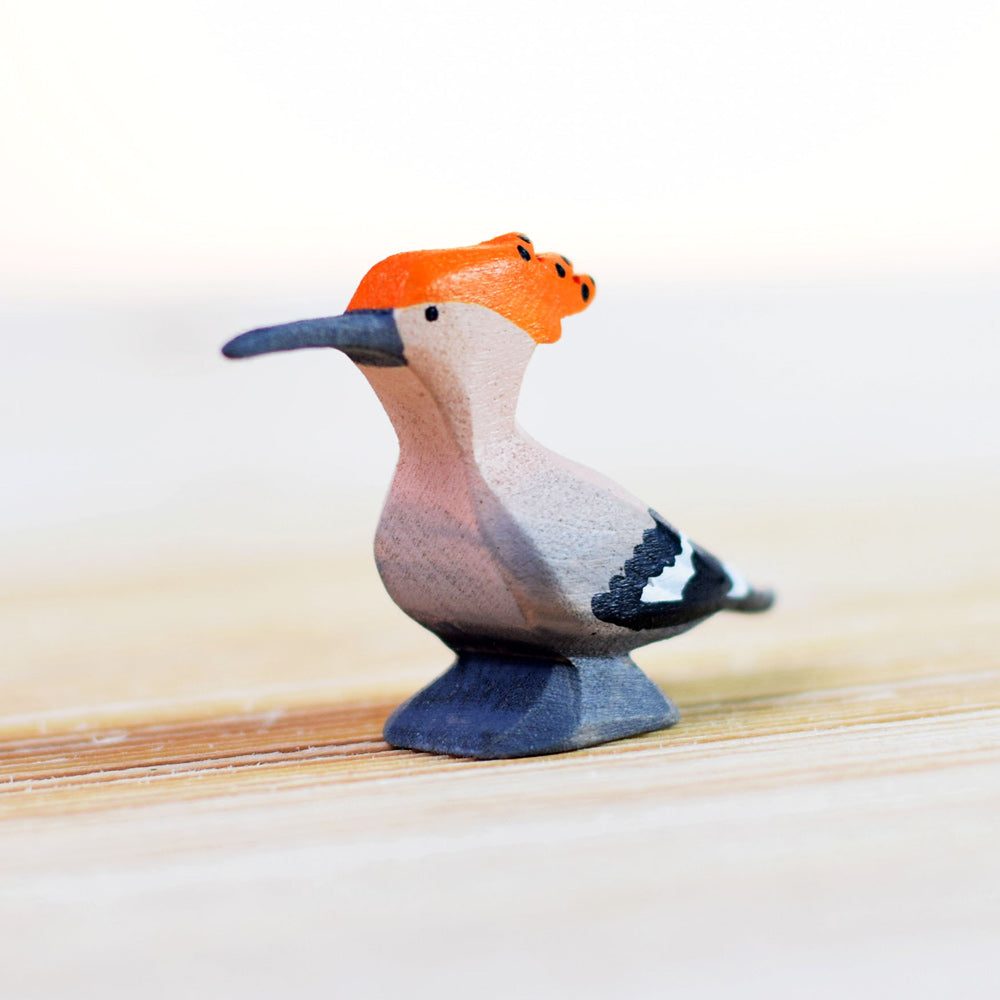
x=490 y=706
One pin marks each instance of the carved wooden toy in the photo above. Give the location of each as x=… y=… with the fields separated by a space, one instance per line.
x=540 y=574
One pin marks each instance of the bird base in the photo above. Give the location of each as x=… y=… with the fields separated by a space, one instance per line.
x=490 y=706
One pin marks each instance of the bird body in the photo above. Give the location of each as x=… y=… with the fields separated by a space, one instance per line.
x=542 y=575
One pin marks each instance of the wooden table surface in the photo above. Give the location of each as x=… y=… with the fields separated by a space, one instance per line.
x=196 y=800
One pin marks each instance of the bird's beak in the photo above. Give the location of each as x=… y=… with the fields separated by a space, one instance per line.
x=366 y=336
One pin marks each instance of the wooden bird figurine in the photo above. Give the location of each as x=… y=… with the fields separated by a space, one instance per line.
x=540 y=574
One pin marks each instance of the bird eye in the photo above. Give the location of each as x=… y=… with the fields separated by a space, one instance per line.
x=431 y=313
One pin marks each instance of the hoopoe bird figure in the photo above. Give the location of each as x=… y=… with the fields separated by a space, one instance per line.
x=541 y=575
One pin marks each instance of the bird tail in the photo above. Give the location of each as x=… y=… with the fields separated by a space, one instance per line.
x=755 y=600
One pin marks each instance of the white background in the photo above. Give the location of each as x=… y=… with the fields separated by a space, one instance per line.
x=791 y=211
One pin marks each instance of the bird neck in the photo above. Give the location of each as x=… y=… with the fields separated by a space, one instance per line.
x=442 y=413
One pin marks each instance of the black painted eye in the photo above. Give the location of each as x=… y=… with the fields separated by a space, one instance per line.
x=523 y=251
x=560 y=270
x=431 y=313
x=585 y=291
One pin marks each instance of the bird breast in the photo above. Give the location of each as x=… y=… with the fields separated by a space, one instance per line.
x=433 y=557
x=511 y=546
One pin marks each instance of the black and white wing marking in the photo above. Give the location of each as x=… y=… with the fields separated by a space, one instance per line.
x=671 y=581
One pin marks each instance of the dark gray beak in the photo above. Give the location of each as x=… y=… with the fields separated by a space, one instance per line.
x=366 y=336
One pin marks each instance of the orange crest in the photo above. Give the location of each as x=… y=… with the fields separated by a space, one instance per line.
x=535 y=291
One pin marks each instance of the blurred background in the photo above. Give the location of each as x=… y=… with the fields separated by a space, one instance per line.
x=791 y=211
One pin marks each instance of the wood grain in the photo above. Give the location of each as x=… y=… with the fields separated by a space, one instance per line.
x=342 y=743
x=195 y=796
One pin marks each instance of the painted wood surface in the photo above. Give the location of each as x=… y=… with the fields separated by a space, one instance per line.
x=541 y=575
x=196 y=799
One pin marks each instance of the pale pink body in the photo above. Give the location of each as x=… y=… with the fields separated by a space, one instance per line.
x=486 y=534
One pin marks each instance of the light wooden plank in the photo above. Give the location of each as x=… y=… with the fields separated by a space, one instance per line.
x=195 y=796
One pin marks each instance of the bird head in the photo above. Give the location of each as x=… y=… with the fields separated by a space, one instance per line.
x=425 y=307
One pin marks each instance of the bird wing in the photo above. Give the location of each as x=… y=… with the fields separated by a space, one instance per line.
x=670 y=581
